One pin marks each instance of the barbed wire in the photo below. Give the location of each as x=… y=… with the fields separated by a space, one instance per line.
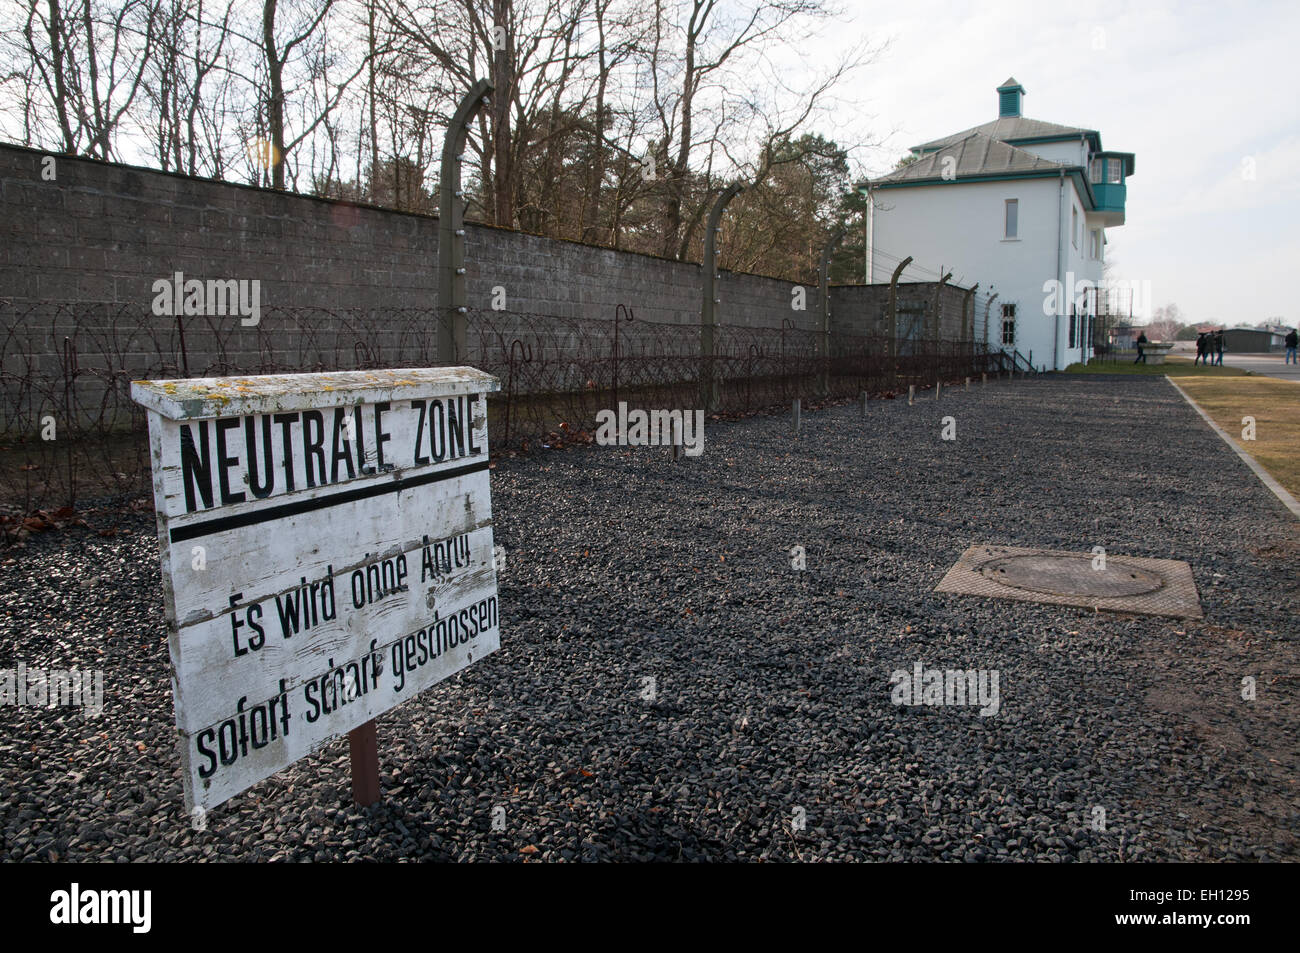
x=69 y=429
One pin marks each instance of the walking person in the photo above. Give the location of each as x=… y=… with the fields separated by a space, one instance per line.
x=1200 y=348
x=1291 y=341
x=1142 y=357
x=1218 y=348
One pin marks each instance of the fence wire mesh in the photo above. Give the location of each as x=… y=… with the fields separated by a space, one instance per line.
x=69 y=429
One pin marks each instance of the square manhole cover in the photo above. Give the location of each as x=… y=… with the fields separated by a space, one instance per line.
x=1119 y=584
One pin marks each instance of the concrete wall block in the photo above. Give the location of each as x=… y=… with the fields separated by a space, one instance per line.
x=310 y=254
x=34 y=195
x=83 y=203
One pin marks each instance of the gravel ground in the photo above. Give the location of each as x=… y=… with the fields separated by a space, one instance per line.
x=772 y=694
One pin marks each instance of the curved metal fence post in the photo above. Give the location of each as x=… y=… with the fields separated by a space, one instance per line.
x=621 y=313
x=988 y=306
x=525 y=354
x=453 y=330
x=893 y=318
x=709 y=390
x=968 y=323
x=938 y=307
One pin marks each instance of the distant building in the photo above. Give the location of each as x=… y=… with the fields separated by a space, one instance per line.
x=1019 y=205
x=1124 y=336
x=1253 y=341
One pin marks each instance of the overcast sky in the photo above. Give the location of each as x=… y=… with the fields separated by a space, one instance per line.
x=1194 y=89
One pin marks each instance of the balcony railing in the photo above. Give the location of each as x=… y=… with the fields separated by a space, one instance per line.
x=1110 y=196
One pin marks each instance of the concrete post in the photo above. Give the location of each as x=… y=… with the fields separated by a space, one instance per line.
x=938 y=291
x=453 y=330
x=937 y=326
x=892 y=317
x=968 y=316
x=987 y=306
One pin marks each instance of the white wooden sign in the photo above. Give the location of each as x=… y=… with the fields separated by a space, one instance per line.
x=326 y=555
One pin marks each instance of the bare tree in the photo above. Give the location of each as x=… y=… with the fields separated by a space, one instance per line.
x=47 y=42
x=1165 y=322
x=705 y=97
x=612 y=121
x=181 y=118
x=305 y=33
x=91 y=61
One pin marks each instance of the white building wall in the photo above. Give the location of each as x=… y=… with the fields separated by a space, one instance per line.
x=1078 y=267
x=1079 y=262
x=959 y=225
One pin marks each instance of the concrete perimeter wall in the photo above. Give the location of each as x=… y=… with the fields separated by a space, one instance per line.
x=103 y=233
x=341 y=285
x=864 y=309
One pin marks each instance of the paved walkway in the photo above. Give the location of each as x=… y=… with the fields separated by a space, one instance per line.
x=1269 y=364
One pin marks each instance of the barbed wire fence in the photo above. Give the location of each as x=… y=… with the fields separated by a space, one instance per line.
x=69 y=430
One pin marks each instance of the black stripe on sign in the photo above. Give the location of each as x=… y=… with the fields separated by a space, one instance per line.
x=223 y=523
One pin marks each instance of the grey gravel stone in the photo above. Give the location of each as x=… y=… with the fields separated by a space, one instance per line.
x=772 y=685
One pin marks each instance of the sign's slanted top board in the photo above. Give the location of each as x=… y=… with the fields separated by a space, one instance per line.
x=327 y=554
x=197 y=397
